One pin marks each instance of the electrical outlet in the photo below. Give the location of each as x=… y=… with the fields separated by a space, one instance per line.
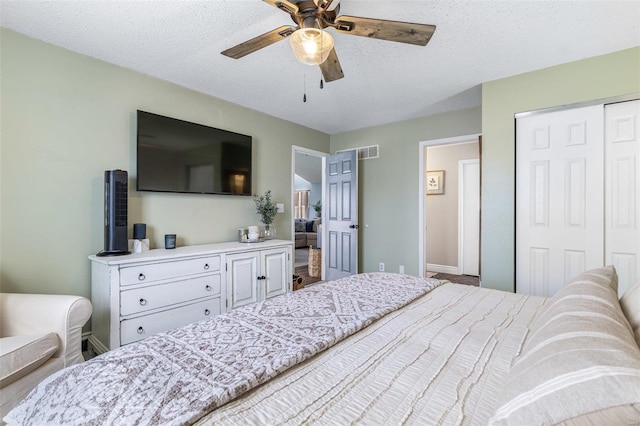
x=381 y=267
x=401 y=269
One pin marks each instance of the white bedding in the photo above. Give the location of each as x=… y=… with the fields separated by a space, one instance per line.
x=442 y=359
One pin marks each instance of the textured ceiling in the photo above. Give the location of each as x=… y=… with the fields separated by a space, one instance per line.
x=475 y=42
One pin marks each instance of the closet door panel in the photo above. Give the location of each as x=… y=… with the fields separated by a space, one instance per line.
x=559 y=202
x=622 y=165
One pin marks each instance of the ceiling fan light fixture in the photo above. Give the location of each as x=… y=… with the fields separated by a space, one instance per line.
x=311 y=45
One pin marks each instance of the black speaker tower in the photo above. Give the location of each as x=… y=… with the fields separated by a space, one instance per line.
x=116 y=193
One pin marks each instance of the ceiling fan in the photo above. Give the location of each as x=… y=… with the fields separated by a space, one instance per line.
x=314 y=46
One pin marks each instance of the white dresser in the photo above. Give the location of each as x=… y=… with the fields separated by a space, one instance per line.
x=138 y=295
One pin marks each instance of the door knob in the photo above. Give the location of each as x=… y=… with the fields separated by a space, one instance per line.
x=354 y=226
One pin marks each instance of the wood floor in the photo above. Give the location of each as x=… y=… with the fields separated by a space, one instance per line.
x=459 y=279
x=303 y=272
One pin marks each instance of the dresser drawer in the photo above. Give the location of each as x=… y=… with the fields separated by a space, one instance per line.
x=135 y=329
x=167 y=270
x=157 y=296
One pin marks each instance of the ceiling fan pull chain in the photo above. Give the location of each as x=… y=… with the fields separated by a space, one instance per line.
x=321 y=47
x=304 y=96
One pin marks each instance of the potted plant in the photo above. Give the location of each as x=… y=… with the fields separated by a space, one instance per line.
x=318 y=208
x=267 y=210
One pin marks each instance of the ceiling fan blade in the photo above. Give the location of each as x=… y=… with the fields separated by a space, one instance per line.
x=403 y=32
x=331 y=69
x=284 y=5
x=259 y=42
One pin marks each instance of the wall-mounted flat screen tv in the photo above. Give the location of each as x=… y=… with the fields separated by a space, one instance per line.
x=178 y=156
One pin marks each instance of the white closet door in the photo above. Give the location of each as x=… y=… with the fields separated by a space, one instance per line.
x=559 y=198
x=622 y=230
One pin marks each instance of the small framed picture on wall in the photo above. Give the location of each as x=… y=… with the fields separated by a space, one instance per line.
x=435 y=182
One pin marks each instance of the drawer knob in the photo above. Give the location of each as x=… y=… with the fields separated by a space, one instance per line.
x=207 y=312
x=206 y=266
x=141 y=277
x=140 y=330
x=143 y=302
x=208 y=287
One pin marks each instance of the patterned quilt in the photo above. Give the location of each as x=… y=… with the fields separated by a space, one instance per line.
x=178 y=376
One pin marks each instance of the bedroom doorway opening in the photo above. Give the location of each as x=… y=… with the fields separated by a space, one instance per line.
x=307 y=198
x=449 y=209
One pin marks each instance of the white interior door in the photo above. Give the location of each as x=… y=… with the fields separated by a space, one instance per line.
x=622 y=154
x=469 y=217
x=559 y=197
x=340 y=215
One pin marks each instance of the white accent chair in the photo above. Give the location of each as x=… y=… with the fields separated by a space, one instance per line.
x=39 y=335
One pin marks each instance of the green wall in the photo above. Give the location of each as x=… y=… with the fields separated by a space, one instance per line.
x=66 y=118
x=388 y=186
x=594 y=78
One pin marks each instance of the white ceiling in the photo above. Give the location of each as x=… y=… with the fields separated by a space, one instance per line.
x=475 y=42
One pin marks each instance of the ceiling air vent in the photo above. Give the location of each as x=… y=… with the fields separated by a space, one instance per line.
x=365 y=152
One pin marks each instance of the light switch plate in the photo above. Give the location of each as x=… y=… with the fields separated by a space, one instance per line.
x=280 y=207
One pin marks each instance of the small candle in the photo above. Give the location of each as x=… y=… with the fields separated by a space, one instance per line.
x=170 y=241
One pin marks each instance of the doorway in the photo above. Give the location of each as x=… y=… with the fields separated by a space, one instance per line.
x=449 y=209
x=307 y=198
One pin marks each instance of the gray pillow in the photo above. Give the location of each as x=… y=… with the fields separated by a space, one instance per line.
x=299 y=225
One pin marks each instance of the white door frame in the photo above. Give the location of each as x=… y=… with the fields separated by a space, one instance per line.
x=422 y=214
x=322 y=155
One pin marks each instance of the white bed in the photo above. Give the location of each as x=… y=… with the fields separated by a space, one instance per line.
x=398 y=350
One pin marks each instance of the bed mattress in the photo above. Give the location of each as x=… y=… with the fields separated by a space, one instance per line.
x=442 y=359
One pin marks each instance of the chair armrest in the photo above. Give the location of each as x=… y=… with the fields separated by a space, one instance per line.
x=64 y=315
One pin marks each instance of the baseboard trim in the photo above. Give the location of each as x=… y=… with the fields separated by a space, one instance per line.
x=443 y=269
x=97 y=345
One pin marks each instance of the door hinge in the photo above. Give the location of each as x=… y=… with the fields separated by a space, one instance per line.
x=226 y=303
x=226 y=266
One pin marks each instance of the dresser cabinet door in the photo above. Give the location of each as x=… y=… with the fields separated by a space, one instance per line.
x=274 y=269
x=242 y=278
x=157 y=296
x=132 y=330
